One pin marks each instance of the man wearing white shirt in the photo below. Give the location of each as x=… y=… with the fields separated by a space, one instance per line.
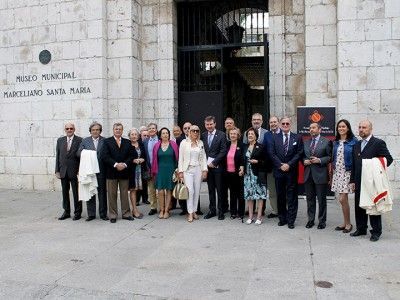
x=67 y=167
x=256 y=123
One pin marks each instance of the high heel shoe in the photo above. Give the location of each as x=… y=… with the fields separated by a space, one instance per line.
x=190 y=218
x=166 y=215
x=161 y=214
x=195 y=216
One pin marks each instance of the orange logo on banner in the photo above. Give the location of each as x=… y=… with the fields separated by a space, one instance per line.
x=316 y=117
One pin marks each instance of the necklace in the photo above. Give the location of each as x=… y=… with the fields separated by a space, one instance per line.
x=164 y=146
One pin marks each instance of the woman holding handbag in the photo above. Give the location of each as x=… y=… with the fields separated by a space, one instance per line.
x=192 y=168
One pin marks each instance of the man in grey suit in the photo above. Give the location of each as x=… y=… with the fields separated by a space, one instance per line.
x=67 y=167
x=256 y=123
x=95 y=142
x=316 y=157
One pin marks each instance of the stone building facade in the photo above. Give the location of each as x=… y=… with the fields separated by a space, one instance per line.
x=116 y=60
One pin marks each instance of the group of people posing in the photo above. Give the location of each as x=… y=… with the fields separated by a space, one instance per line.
x=259 y=166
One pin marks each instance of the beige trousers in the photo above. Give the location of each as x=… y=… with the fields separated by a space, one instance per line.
x=112 y=194
x=272 y=193
x=152 y=193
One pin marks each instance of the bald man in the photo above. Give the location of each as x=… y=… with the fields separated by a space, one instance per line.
x=369 y=147
x=67 y=167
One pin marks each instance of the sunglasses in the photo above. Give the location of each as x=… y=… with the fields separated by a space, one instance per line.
x=195 y=131
x=69 y=128
x=285 y=123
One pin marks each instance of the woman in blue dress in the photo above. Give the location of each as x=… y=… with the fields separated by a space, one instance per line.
x=165 y=161
x=255 y=176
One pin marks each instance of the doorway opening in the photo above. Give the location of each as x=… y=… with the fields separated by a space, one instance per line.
x=222 y=61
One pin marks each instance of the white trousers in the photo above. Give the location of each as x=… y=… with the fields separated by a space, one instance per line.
x=192 y=177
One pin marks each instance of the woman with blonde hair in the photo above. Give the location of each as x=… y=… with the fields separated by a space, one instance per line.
x=192 y=167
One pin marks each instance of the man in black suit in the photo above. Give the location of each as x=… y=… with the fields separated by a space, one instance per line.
x=143 y=194
x=67 y=167
x=285 y=152
x=118 y=155
x=369 y=147
x=95 y=142
x=316 y=157
x=215 y=147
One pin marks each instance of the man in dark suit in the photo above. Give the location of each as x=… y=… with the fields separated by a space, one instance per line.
x=117 y=154
x=369 y=147
x=285 y=151
x=67 y=167
x=316 y=157
x=95 y=142
x=215 y=147
x=143 y=194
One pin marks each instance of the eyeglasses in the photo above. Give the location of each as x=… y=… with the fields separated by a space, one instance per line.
x=195 y=131
x=186 y=127
x=287 y=124
x=69 y=128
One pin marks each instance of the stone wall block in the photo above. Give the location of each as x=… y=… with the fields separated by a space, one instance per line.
x=392 y=8
x=64 y=32
x=317 y=81
x=314 y=36
x=320 y=15
x=378 y=29
x=369 y=101
x=384 y=124
x=380 y=78
x=347 y=102
x=351 y=31
x=347 y=9
x=79 y=31
x=294 y=24
x=397 y=77
x=356 y=54
x=387 y=53
x=95 y=29
x=370 y=9
x=120 y=48
x=330 y=35
x=321 y=58
x=72 y=11
x=352 y=78
x=46 y=182
x=12 y=165
x=390 y=101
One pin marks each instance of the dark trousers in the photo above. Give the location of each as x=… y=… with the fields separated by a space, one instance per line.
x=143 y=194
x=234 y=184
x=286 y=189
x=102 y=196
x=65 y=184
x=362 y=218
x=214 y=183
x=314 y=191
x=225 y=187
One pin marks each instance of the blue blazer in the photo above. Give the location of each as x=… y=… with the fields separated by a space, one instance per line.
x=277 y=153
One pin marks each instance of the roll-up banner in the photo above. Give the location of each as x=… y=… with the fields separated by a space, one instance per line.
x=326 y=117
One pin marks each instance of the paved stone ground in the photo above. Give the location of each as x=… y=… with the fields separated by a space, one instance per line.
x=43 y=258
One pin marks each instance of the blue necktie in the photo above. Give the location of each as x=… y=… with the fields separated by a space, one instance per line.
x=286 y=143
x=363 y=144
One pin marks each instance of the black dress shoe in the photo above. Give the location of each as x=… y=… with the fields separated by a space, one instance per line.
x=128 y=218
x=152 y=212
x=88 y=219
x=290 y=226
x=199 y=212
x=76 y=217
x=113 y=220
x=221 y=217
x=64 y=216
x=209 y=215
x=282 y=223
x=321 y=226
x=374 y=238
x=146 y=202
x=272 y=215
x=310 y=224
x=104 y=218
x=358 y=233
x=137 y=203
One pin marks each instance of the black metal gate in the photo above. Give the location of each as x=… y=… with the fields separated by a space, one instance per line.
x=214 y=38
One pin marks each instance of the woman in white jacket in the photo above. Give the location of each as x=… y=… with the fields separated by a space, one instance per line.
x=192 y=167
